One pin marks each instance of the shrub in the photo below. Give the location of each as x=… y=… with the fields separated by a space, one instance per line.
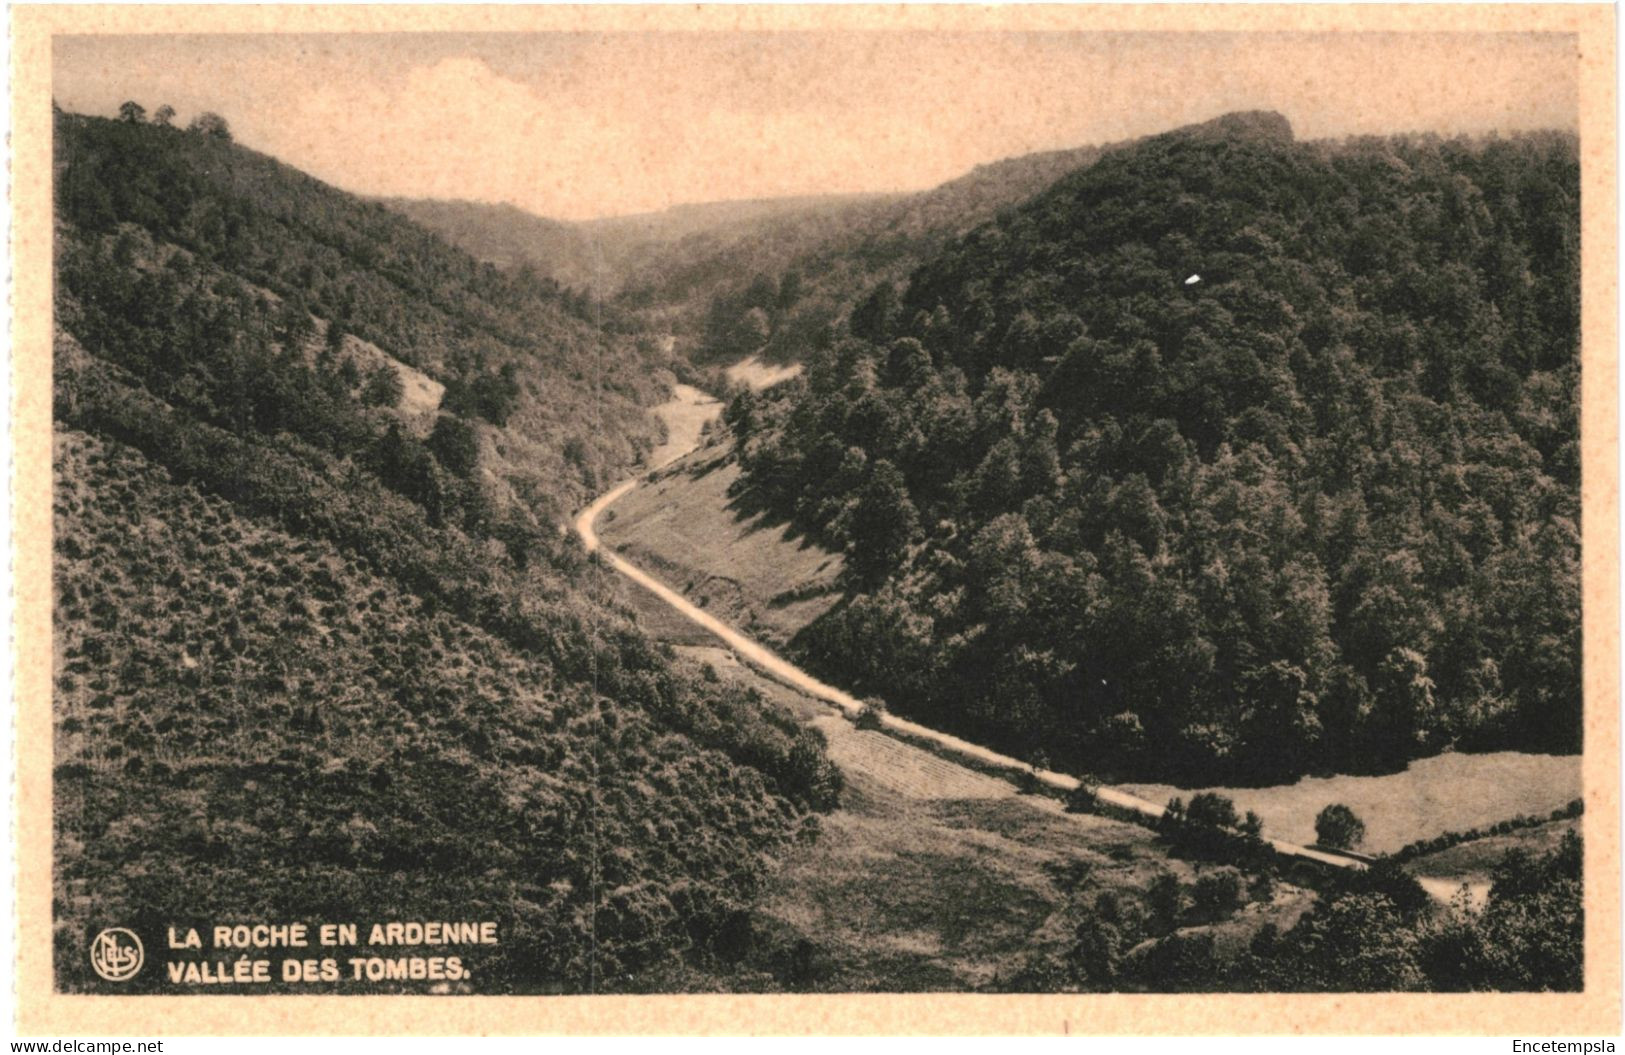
x=1338 y=828
x=872 y=715
x=1217 y=894
x=455 y=444
x=1213 y=810
x=1165 y=897
x=1176 y=962
x=384 y=388
x=1387 y=879
x=1084 y=797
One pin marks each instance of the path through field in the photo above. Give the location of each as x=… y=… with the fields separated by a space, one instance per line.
x=780 y=669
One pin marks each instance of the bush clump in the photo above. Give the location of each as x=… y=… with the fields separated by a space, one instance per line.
x=872 y=716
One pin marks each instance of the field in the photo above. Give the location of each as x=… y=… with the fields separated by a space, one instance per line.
x=684 y=528
x=1449 y=792
x=1473 y=861
x=684 y=416
x=934 y=877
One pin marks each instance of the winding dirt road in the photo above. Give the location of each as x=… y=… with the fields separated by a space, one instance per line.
x=781 y=669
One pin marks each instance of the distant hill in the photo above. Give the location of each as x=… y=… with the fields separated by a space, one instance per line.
x=555 y=388
x=322 y=651
x=696 y=269
x=600 y=255
x=717 y=218
x=511 y=238
x=707 y=289
x=805 y=269
x=773 y=276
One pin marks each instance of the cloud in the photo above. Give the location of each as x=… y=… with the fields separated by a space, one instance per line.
x=579 y=125
x=454 y=129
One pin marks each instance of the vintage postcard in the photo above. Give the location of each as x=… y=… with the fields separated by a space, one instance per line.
x=835 y=519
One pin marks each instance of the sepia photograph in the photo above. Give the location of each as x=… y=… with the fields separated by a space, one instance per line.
x=753 y=507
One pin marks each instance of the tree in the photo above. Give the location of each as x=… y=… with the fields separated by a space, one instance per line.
x=908 y=365
x=293 y=323
x=752 y=331
x=211 y=125
x=1165 y=897
x=873 y=319
x=1177 y=962
x=383 y=388
x=1357 y=943
x=1338 y=828
x=761 y=293
x=884 y=523
x=1040 y=462
x=1213 y=810
x=1392 y=881
x=1217 y=894
x=455 y=444
x=132 y=112
x=789 y=289
x=492 y=395
x=1097 y=952
x=164 y=115
x=405 y=467
x=741 y=414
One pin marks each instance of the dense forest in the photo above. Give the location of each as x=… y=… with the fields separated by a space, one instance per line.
x=780 y=289
x=322 y=650
x=1228 y=457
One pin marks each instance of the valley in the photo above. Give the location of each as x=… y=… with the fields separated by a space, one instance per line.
x=735 y=569
x=983 y=606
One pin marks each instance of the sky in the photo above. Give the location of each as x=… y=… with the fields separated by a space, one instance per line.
x=581 y=125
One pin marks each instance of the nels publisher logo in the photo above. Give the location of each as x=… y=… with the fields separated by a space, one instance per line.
x=116 y=954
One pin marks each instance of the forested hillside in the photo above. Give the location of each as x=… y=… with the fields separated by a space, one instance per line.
x=184 y=247
x=599 y=257
x=322 y=653
x=1228 y=457
x=513 y=239
x=776 y=288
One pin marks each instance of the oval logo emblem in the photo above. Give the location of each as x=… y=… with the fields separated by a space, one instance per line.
x=116 y=954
